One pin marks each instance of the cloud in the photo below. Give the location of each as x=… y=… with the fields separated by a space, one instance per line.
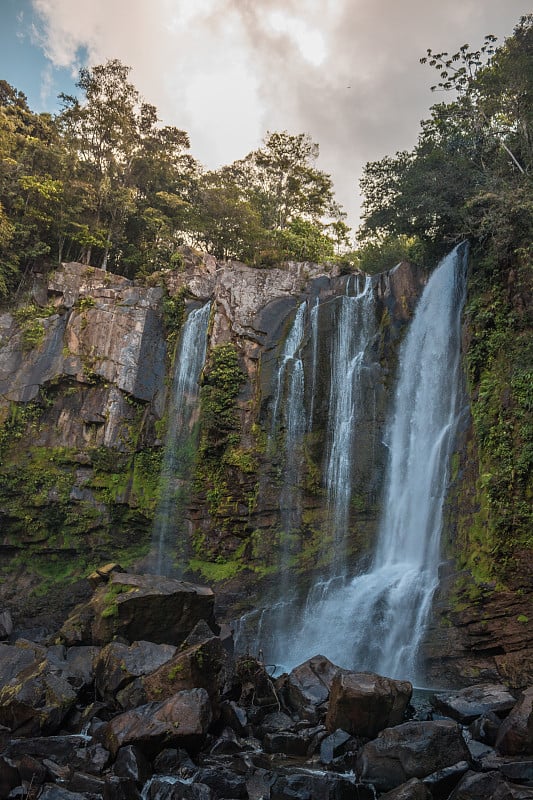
x=345 y=71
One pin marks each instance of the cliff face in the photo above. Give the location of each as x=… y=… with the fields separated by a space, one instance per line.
x=85 y=371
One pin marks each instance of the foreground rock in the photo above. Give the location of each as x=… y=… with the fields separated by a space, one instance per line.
x=515 y=735
x=308 y=686
x=474 y=701
x=182 y=721
x=364 y=703
x=140 y=607
x=411 y=750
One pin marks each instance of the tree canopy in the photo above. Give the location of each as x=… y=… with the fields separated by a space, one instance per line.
x=105 y=183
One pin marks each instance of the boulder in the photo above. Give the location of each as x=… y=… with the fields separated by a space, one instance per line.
x=364 y=703
x=412 y=790
x=308 y=685
x=9 y=776
x=223 y=782
x=131 y=763
x=411 y=750
x=35 y=701
x=515 y=734
x=333 y=746
x=326 y=786
x=480 y=786
x=182 y=720
x=121 y=789
x=474 y=701
x=485 y=728
x=140 y=608
x=119 y=664
x=205 y=664
x=442 y=782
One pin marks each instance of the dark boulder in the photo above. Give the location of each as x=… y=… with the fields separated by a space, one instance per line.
x=181 y=720
x=317 y=786
x=485 y=728
x=442 y=782
x=364 y=703
x=140 y=608
x=480 y=786
x=474 y=701
x=131 y=763
x=308 y=685
x=411 y=750
x=515 y=735
x=119 y=664
x=412 y=790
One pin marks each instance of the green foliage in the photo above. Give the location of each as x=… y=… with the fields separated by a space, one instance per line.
x=173 y=315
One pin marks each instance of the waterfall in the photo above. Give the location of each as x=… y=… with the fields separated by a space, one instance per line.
x=180 y=441
x=354 y=332
x=376 y=621
x=313 y=319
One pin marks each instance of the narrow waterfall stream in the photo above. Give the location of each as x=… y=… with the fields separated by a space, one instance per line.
x=354 y=332
x=180 y=440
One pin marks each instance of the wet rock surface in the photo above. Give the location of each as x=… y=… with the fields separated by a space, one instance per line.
x=125 y=721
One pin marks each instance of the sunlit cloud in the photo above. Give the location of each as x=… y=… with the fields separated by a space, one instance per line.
x=345 y=71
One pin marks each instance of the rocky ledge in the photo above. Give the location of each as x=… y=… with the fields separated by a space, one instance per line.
x=114 y=706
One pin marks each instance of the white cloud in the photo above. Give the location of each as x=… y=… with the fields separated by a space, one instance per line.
x=228 y=70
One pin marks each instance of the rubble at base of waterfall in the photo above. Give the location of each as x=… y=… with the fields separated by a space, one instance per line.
x=139 y=695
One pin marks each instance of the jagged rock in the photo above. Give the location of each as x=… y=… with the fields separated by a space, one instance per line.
x=74 y=665
x=233 y=715
x=223 y=782
x=205 y=664
x=181 y=720
x=476 y=786
x=89 y=784
x=257 y=688
x=518 y=772
x=485 y=728
x=119 y=664
x=51 y=791
x=163 y=789
x=332 y=746
x=364 y=703
x=326 y=786
x=468 y=704
x=102 y=574
x=308 y=686
x=172 y=761
x=9 y=776
x=290 y=744
x=412 y=790
x=411 y=750
x=35 y=701
x=120 y=789
x=515 y=735
x=15 y=658
x=131 y=763
x=140 y=607
x=442 y=782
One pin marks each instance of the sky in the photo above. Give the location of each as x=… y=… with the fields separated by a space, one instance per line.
x=346 y=72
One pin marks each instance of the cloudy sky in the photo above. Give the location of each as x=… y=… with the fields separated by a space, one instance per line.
x=226 y=71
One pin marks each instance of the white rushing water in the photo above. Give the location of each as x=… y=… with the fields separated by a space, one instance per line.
x=354 y=332
x=180 y=440
x=376 y=621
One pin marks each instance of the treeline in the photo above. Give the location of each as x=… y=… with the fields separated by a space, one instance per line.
x=104 y=183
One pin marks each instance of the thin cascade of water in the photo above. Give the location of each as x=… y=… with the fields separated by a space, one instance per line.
x=354 y=332
x=313 y=321
x=377 y=620
x=180 y=440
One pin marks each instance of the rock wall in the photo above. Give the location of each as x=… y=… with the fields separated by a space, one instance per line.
x=84 y=374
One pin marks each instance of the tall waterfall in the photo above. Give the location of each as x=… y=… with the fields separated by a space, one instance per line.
x=354 y=331
x=377 y=620
x=180 y=441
